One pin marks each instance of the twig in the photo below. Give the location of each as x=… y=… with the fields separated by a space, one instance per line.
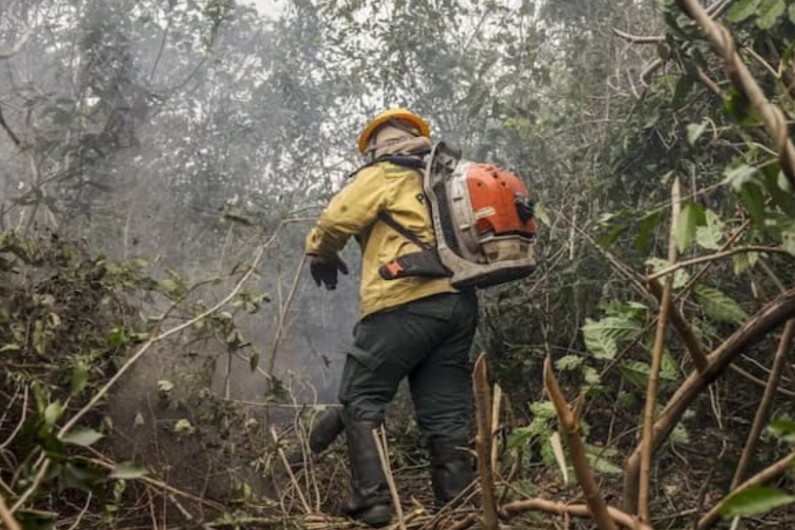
x=495 y=425
x=637 y=39
x=568 y=421
x=764 y=476
x=755 y=329
x=656 y=362
x=289 y=470
x=283 y=314
x=577 y=510
x=683 y=329
x=764 y=406
x=379 y=437
x=483 y=442
x=21 y=420
x=83 y=512
x=756 y=380
x=716 y=256
x=772 y=116
x=7 y=517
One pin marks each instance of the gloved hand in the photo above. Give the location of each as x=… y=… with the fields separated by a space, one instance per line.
x=324 y=269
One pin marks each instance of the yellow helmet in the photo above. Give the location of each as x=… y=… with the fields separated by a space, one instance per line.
x=393 y=114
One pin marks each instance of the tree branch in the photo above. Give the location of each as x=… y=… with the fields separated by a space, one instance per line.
x=772 y=116
x=656 y=360
x=764 y=406
x=578 y=510
x=755 y=329
x=682 y=328
x=716 y=256
x=568 y=421
x=483 y=442
x=764 y=476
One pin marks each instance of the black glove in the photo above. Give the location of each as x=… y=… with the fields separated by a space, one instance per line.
x=324 y=269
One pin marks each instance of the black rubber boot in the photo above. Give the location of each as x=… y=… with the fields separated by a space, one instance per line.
x=370 y=501
x=326 y=428
x=451 y=469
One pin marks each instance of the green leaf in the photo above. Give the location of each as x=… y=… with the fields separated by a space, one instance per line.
x=10 y=347
x=742 y=10
x=710 y=235
x=682 y=89
x=755 y=500
x=770 y=12
x=84 y=437
x=784 y=429
x=744 y=261
x=598 y=458
x=681 y=277
x=719 y=306
x=695 y=130
x=791 y=13
x=601 y=336
x=646 y=226
x=51 y=414
x=253 y=360
x=128 y=471
x=569 y=362
x=541 y=214
x=688 y=222
x=79 y=376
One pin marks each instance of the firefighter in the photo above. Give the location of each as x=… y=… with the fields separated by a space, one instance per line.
x=415 y=327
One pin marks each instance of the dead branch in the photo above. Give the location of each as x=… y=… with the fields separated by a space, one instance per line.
x=283 y=314
x=656 y=361
x=772 y=116
x=682 y=328
x=483 y=442
x=636 y=39
x=764 y=476
x=750 y=377
x=764 y=406
x=715 y=11
x=495 y=425
x=577 y=510
x=755 y=329
x=716 y=256
x=7 y=517
x=289 y=470
x=379 y=437
x=569 y=423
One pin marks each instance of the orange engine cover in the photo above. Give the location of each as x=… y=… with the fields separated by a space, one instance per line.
x=494 y=193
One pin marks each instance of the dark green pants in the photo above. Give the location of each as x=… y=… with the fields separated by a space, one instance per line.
x=428 y=341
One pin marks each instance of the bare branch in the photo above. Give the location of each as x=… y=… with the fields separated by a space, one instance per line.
x=656 y=361
x=772 y=116
x=717 y=256
x=755 y=329
x=764 y=406
x=483 y=442
x=568 y=421
x=764 y=476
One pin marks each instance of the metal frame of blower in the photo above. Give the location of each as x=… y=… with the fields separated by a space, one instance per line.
x=450 y=205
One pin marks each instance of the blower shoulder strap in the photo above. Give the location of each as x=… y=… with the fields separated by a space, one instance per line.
x=390 y=221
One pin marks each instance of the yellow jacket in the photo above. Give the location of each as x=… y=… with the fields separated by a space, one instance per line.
x=354 y=212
